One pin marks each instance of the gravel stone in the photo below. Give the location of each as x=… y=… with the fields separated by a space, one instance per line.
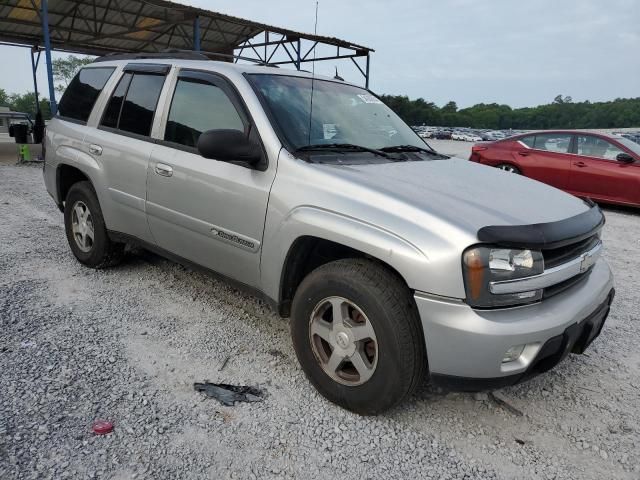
x=126 y=345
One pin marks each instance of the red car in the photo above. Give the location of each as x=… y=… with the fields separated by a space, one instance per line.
x=600 y=166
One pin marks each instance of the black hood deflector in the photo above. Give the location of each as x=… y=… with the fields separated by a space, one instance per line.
x=546 y=235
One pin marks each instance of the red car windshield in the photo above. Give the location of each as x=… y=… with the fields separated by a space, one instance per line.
x=630 y=144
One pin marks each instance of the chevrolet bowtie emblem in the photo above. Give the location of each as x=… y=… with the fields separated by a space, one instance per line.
x=587 y=261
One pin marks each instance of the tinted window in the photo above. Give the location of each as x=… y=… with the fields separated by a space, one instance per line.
x=528 y=141
x=140 y=103
x=82 y=93
x=112 y=112
x=596 y=147
x=197 y=107
x=553 y=142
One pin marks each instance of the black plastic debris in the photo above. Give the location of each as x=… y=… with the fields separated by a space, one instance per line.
x=228 y=395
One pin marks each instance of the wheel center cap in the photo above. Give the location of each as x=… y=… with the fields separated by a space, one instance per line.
x=342 y=339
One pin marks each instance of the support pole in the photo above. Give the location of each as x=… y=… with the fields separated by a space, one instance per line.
x=298 y=54
x=366 y=76
x=266 y=43
x=44 y=15
x=196 y=34
x=34 y=68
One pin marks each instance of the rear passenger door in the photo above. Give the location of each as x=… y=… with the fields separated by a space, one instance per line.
x=207 y=211
x=122 y=145
x=545 y=157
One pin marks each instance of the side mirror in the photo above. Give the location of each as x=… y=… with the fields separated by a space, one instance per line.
x=624 y=158
x=228 y=146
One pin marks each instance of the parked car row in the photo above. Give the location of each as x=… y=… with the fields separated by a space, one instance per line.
x=604 y=167
x=633 y=136
x=463 y=134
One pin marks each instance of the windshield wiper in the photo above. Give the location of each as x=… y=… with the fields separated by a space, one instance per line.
x=410 y=148
x=337 y=147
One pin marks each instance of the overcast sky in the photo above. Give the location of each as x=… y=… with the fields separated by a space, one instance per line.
x=514 y=52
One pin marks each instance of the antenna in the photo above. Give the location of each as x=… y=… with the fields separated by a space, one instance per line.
x=313 y=73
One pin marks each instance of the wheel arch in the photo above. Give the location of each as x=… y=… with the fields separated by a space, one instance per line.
x=322 y=243
x=66 y=176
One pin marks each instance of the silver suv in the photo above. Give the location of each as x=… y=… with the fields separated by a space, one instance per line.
x=394 y=262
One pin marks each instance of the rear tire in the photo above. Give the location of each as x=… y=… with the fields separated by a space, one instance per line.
x=86 y=231
x=507 y=167
x=381 y=369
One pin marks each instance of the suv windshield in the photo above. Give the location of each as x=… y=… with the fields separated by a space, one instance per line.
x=341 y=115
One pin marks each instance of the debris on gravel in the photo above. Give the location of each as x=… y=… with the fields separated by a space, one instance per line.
x=128 y=343
x=228 y=395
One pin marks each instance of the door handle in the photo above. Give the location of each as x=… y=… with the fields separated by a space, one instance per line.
x=580 y=164
x=95 y=149
x=523 y=154
x=164 y=170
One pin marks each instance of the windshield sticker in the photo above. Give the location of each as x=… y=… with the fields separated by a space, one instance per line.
x=329 y=130
x=367 y=98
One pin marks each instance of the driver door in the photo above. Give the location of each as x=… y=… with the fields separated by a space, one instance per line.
x=206 y=211
x=596 y=173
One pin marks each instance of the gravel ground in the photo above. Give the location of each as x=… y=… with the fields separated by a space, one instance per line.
x=126 y=344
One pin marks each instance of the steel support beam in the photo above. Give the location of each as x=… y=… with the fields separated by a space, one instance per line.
x=34 y=69
x=319 y=59
x=196 y=34
x=44 y=15
x=366 y=77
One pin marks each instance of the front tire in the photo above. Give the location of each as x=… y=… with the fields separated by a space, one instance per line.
x=86 y=230
x=357 y=335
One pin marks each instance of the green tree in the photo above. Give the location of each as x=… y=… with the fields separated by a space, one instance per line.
x=27 y=103
x=450 y=107
x=4 y=98
x=64 y=69
x=563 y=112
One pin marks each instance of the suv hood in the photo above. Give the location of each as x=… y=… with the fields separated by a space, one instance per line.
x=465 y=194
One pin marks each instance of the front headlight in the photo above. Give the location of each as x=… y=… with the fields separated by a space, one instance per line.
x=483 y=265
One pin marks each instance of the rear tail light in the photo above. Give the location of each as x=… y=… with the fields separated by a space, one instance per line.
x=475 y=152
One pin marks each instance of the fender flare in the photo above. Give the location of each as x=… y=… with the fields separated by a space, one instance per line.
x=308 y=221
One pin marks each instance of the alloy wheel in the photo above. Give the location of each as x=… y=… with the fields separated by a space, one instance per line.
x=343 y=341
x=82 y=226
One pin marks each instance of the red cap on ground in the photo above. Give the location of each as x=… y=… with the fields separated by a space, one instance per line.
x=102 y=427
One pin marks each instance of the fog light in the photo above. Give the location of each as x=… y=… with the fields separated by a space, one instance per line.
x=513 y=353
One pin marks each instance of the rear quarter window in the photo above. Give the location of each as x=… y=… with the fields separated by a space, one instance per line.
x=83 y=91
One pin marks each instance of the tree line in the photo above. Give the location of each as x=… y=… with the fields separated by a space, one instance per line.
x=563 y=112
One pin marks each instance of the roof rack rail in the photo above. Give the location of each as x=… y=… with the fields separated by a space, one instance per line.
x=166 y=54
x=212 y=55
x=179 y=55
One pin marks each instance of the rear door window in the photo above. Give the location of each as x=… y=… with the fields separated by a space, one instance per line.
x=112 y=113
x=553 y=142
x=133 y=103
x=83 y=91
x=592 y=146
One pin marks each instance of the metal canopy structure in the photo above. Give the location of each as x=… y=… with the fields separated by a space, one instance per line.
x=99 y=27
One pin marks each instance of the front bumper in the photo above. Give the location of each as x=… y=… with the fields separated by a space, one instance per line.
x=465 y=347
